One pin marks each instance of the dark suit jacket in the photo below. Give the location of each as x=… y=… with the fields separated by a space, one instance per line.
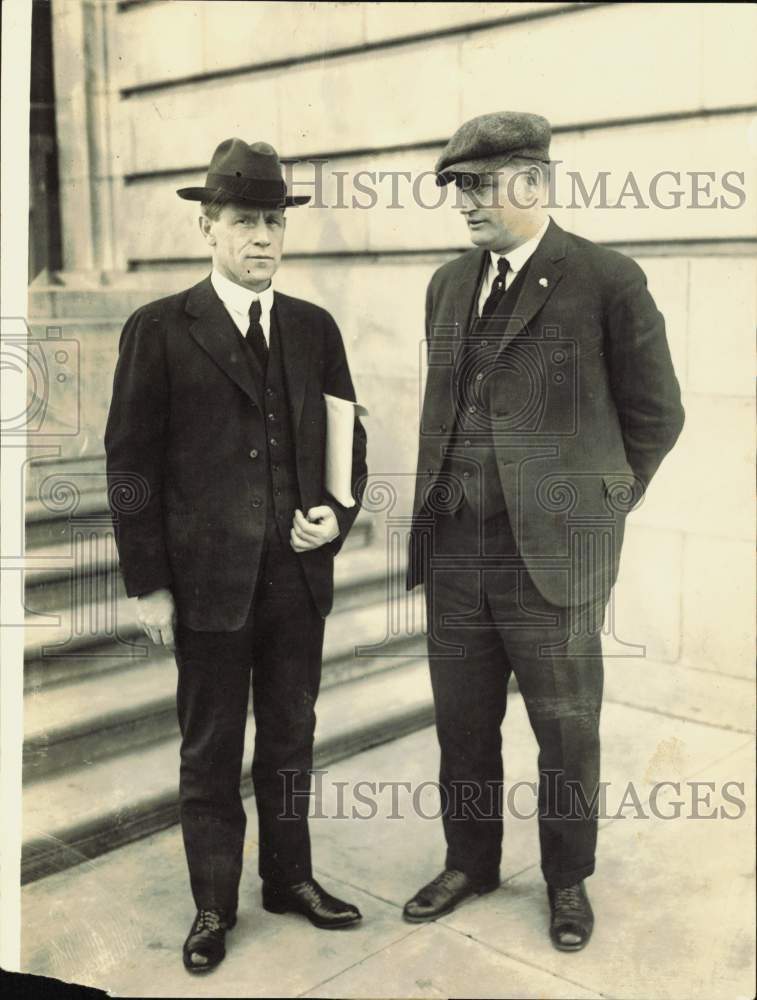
x=186 y=487
x=580 y=399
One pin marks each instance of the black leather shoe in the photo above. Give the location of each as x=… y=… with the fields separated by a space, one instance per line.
x=205 y=948
x=443 y=894
x=572 y=919
x=312 y=901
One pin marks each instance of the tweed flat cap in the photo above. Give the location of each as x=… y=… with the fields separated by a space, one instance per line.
x=490 y=141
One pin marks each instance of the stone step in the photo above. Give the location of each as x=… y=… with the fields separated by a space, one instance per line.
x=97 y=632
x=113 y=710
x=55 y=304
x=64 y=508
x=45 y=476
x=60 y=575
x=74 y=815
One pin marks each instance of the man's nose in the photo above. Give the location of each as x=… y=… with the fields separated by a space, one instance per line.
x=261 y=237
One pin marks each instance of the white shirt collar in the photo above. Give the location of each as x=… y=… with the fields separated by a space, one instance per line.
x=237 y=297
x=517 y=258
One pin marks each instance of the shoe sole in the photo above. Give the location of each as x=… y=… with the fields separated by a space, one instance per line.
x=328 y=925
x=485 y=890
x=201 y=970
x=562 y=946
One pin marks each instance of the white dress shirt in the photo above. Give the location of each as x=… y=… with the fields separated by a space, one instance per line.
x=516 y=259
x=238 y=300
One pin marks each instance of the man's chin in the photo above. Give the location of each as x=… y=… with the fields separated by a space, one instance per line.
x=480 y=239
x=258 y=274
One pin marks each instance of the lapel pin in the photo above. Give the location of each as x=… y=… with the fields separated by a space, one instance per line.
x=543 y=282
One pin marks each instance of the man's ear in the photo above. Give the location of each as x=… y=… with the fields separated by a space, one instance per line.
x=206 y=230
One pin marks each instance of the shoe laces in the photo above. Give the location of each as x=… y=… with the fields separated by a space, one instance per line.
x=570 y=899
x=209 y=920
x=446 y=877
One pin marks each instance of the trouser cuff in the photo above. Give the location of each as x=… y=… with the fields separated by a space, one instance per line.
x=563 y=880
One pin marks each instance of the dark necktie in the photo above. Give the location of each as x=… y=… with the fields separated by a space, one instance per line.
x=255 y=336
x=497 y=289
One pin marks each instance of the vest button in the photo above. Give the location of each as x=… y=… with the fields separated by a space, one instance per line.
x=471 y=409
x=254 y=453
x=484 y=343
x=479 y=376
x=466 y=475
x=271 y=416
x=275 y=467
x=277 y=492
x=269 y=392
x=467 y=443
x=274 y=442
x=256 y=501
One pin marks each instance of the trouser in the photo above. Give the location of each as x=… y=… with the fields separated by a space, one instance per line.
x=280 y=647
x=484 y=623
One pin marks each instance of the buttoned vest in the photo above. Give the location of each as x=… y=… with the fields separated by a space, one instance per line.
x=471 y=461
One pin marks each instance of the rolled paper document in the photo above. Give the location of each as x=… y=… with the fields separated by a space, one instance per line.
x=340 y=427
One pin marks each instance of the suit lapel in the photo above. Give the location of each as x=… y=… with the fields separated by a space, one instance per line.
x=452 y=321
x=469 y=283
x=542 y=277
x=294 y=344
x=214 y=330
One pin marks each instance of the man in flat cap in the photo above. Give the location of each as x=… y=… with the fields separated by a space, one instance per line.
x=218 y=413
x=550 y=402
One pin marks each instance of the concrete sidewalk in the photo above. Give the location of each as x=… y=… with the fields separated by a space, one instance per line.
x=673 y=898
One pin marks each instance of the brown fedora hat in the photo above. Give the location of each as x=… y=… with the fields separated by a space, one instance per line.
x=241 y=171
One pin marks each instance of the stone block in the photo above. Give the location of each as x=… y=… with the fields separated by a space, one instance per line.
x=394 y=96
x=728 y=73
x=252 y=33
x=718 y=605
x=633 y=156
x=158 y=42
x=668 y=282
x=179 y=129
x=722 y=320
x=705 y=485
x=644 y=613
x=384 y=21
x=591 y=65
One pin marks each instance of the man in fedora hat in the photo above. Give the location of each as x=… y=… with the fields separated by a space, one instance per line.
x=218 y=414
x=550 y=402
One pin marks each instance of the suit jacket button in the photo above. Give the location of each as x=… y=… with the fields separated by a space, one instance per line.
x=466 y=475
x=255 y=501
x=466 y=443
x=254 y=453
x=274 y=442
